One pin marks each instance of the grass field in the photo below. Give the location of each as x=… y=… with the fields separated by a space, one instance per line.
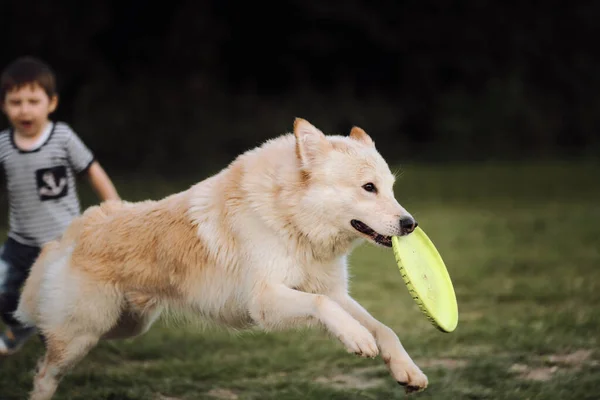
x=522 y=245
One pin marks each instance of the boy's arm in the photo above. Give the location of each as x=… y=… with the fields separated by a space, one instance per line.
x=101 y=183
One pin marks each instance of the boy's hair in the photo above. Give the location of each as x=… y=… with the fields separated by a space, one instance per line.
x=26 y=71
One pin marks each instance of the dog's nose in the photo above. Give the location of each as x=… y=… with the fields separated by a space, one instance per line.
x=407 y=225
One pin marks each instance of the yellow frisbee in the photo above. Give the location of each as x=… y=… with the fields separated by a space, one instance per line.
x=427 y=278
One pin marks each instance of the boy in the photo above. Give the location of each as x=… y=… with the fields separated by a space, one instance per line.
x=40 y=159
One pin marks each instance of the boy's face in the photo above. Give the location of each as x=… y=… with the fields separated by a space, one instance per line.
x=27 y=109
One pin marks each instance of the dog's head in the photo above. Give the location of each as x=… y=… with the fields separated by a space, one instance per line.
x=350 y=184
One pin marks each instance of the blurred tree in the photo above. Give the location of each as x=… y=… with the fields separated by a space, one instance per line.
x=192 y=83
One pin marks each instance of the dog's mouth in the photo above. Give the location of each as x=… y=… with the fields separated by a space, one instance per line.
x=374 y=236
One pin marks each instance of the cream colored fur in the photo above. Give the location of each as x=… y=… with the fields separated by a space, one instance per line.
x=261 y=244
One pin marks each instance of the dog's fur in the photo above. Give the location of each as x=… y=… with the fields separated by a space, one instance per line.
x=263 y=243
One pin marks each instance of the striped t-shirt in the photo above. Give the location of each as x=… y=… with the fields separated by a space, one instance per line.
x=41 y=184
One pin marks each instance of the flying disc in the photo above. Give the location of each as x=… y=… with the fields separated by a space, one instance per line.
x=426 y=278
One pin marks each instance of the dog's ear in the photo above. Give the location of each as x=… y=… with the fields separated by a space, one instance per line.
x=311 y=143
x=359 y=134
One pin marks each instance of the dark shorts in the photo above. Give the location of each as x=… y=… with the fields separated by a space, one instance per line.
x=16 y=260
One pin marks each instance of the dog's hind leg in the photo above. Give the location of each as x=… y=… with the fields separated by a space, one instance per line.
x=132 y=324
x=62 y=353
x=68 y=341
x=72 y=324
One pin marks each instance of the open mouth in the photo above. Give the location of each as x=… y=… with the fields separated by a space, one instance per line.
x=26 y=124
x=376 y=237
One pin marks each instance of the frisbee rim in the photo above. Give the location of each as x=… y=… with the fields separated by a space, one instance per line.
x=441 y=272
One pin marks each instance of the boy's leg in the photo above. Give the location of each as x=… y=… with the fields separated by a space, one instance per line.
x=13 y=338
x=14 y=269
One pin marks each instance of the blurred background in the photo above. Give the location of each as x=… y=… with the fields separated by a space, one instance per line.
x=170 y=86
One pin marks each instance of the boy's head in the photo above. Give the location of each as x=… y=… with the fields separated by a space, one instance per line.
x=28 y=94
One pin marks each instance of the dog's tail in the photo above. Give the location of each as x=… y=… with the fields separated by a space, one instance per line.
x=33 y=293
x=27 y=312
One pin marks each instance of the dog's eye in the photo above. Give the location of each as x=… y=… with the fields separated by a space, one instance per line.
x=369 y=187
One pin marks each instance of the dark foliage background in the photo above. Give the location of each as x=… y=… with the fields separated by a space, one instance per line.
x=169 y=86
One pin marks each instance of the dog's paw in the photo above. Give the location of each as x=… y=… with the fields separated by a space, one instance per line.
x=360 y=341
x=407 y=375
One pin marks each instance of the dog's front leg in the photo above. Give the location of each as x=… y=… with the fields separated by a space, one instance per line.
x=277 y=306
x=401 y=366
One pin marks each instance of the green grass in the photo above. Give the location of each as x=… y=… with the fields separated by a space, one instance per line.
x=522 y=245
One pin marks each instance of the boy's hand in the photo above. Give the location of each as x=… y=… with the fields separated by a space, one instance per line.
x=101 y=183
